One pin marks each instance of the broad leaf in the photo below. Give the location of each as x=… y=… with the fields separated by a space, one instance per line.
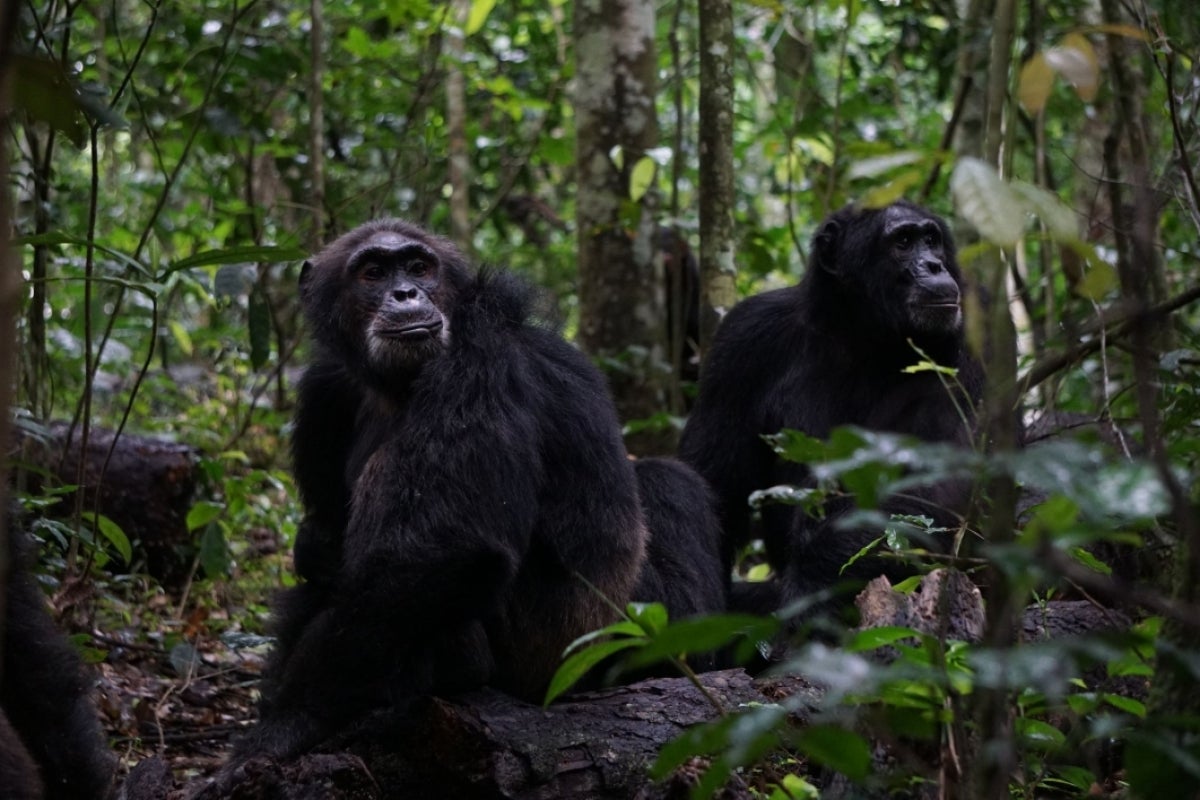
x=578 y=665
x=987 y=202
x=112 y=533
x=1034 y=84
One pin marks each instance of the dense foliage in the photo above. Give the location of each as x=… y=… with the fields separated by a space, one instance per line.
x=166 y=191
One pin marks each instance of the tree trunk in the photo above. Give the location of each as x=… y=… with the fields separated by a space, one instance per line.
x=316 y=128
x=621 y=286
x=997 y=756
x=717 y=267
x=488 y=746
x=456 y=128
x=9 y=293
x=1135 y=207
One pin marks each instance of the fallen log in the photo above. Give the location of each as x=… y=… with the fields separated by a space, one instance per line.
x=146 y=486
x=486 y=745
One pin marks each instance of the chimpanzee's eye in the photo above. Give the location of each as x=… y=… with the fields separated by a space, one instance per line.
x=373 y=272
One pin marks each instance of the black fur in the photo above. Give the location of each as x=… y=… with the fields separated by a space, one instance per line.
x=828 y=352
x=457 y=508
x=683 y=568
x=47 y=717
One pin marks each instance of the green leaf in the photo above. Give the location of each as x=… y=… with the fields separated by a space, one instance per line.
x=837 y=748
x=480 y=9
x=930 y=366
x=874 y=638
x=578 y=665
x=82 y=643
x=987 y=202
x=1039 y=735
x=43 y=90
x=1099 y=278
x=58 y=239
x=112 y=533
x=267 y=254
x=1090 y=561
x=214 y=552
x=1056 y=513
x=893 y=190
x=1078 y=777
x=203 y=513
x=1127 y=704
x=624 y=627
x=641 y=178
x=867 y=550
x=181 y=336
x=702 y=635
x=878 y=165
x=795 y=446
x=259 y=324
x=786 y=496
x=650 y=617
x=793 y=787
x=1060 y=220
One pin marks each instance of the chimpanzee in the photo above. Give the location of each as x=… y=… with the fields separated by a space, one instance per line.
x=470 y=507
x=51 y=744
x=827 y=352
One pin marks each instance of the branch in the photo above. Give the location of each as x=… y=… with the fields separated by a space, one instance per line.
x=1118 y=592
x=1117 y=321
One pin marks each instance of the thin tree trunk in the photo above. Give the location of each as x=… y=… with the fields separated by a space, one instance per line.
x=997 y=757
x=1135 y=231
x=316 y=127
x=456 y=129
x=9 y=294
x=621 y=295
x=718 y=270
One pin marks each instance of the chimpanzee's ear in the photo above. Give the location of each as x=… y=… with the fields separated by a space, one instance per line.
x=826 y=245
x=305 y=270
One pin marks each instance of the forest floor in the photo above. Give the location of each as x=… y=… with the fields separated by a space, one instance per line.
x=148 y=707
x=177 y=671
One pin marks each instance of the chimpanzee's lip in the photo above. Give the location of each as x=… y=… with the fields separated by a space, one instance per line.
x=421 y=330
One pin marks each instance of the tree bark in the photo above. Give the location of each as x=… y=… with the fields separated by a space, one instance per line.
x=147 y=488
x=456 y=128
x=1135 y=231
x=997 y=756
x=316 y=126
x=9 y=291
x=718 y=269
x=621 y=286
x=487 y=746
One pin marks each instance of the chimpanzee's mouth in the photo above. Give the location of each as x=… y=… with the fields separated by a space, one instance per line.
x=421 y=330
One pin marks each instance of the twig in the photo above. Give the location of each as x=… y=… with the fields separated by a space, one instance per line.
x=1121 y=316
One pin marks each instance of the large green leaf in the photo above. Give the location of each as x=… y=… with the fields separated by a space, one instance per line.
x=987 y=202
x=112 y=533
x=259 y=324
x=581 y=663
x=266 y=254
